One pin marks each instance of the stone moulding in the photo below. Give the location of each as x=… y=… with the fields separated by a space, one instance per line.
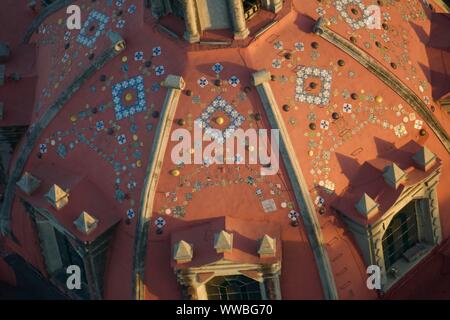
x=261 y=81
x=175 y=85
x=44 y=14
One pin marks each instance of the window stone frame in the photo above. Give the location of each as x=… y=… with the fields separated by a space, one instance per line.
x=369 y=237
x=88 y=252
x=268 y=276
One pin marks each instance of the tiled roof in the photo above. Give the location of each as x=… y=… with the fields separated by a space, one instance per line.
x=342 y=120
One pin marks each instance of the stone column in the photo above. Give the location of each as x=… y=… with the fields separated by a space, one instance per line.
x=272 y=285
x=157 y=7
x=275 y=5
x=271 y=278
x=237 y=16
x=190 y=17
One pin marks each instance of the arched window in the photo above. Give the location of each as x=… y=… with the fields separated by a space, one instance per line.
x=236 y=287
x=401 y=234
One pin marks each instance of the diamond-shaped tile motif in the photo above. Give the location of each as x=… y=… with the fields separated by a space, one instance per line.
x=220 y=104
x=87 y=37
x=303 y=95
x=355 y=21
x=135 y=93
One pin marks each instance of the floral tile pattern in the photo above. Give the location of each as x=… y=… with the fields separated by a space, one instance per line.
x=95 y=17
x=357 y=21
x=122 y=110
x=303 y=95
x=219 y=104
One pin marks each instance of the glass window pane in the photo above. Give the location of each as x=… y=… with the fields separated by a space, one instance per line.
x=401 y=234
x=233 y=288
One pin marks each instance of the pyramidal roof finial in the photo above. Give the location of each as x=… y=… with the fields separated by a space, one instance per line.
x=223 y=241
x=57 y=197
x=393 y=175
x=367 y=206
x=86 y=223
x=424 y=158
x=28 y=183
x=183 y=252
x=267 y=247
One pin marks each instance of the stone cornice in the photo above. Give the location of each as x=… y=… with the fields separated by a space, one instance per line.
x=261 y=81
x=174 y=84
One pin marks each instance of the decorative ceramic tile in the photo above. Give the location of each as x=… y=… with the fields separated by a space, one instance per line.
x=179 y=211
x=343 y=7
x=347 y=108
x=61 y=150
x=121 y=139
x=278 y=45
x=293 y=215
x=219 y=104
x=132 y=9
x=324 y=124
x=120 y=24
x=234 y=81
x=138 y=56
x=160 y=222
x=400 y=130
x=418 y=124
x=100 y=125
x=276 y=63
x=156 y=51
x=43 y=148
x=269 y=205
x=159 y=70
x=319 y=201
x=303 y=95
x=217 y=68
x=94 y=17
x=130 y=213
x=138 y=104
x=299 y=46
x=202 y=82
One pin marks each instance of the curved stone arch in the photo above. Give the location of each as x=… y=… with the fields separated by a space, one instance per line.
x=44 y=14
x=47 y=117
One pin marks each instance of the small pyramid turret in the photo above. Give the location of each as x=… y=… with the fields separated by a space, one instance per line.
x=424 y=158
x=28 y=183
x=267 y=247
x=183 y=252
x=57 y=197
x=223 y=241
x=86 y=223
x=366 y=206
x=394 y=176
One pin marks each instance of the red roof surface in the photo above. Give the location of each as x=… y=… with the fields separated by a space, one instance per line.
x=105 y=171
